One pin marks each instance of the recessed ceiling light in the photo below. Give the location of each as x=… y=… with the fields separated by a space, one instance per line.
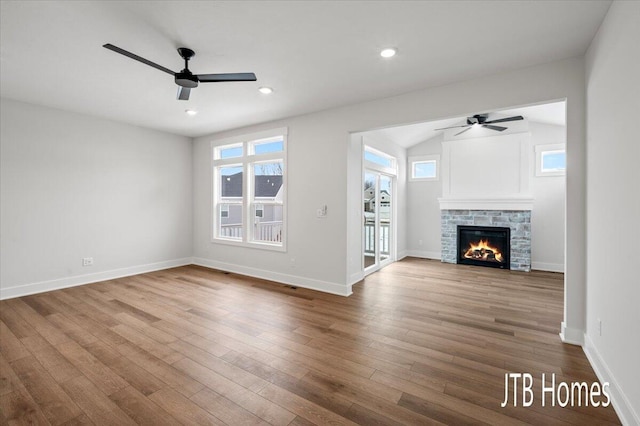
x=265 y=90
x=389 y=52
x=191 y=112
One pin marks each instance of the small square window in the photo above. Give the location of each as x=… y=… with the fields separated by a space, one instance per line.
x=554 y=161
x=551 y=160
x=424 y=168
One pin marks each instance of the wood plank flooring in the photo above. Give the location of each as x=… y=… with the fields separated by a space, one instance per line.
x=419 y=342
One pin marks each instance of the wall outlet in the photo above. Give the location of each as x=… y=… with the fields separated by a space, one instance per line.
x=419 y=242
x=293 y=262
x=87 y=261
x=599 y=327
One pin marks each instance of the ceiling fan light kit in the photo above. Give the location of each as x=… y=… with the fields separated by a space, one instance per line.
x=185 y=79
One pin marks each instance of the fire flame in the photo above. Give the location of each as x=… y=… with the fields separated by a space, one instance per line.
x=483 y=251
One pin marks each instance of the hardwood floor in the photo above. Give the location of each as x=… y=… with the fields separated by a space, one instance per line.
x=419 y=342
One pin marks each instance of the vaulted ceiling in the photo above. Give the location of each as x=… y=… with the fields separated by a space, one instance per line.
x=315 y=55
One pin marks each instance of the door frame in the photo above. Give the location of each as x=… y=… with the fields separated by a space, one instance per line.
x=390 y=172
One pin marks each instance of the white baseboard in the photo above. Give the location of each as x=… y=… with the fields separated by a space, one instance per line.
x=310 y=283
x=424 y=254
x=573 y=336
x=356 y=277
x=401 y=255
x=550 y=267
x=57 y=284
x=620 y=402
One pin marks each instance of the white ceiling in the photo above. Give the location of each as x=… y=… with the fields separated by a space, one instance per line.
x=412 y=134
x=316 y=55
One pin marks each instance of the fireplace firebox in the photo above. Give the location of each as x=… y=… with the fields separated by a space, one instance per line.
x=484 y=246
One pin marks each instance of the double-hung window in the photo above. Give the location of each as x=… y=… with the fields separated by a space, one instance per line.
x=249 y=190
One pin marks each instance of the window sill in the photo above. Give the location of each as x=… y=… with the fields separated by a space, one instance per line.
x=253 y=245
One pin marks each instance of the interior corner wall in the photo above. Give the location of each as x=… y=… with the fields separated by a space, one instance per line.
x=320 y=161
x=613 y=206
x=74 y=186
x=423 y=213
x=548 y=214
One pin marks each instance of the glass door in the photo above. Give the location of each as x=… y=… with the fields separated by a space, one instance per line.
x=369 y=212
x=384 y=217
x=377 y=220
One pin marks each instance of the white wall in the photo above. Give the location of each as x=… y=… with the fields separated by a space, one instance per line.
x=423 y=213
x=547 y=217
x=74 y=186
x=321 y=159
x=613 y=206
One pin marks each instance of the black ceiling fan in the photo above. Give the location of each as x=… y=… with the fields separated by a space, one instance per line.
x=185 y=79
x=481 y=120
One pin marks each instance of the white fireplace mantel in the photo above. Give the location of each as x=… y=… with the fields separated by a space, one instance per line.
x=514 y=203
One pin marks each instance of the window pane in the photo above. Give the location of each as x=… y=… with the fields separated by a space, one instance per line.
x=268 y=146
x=267 y=227
x=230 y=152
x=230 y=221
x=230 y=182
x=424 y=169
x=553 y=161
x=268 y=180
x=378 y=159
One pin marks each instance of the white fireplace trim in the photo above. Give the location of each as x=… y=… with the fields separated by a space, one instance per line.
x=511 y=203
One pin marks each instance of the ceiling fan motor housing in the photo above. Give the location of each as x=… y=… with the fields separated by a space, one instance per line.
x=186 y=79
x=477 y=119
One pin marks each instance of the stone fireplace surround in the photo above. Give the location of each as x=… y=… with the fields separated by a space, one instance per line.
x=519 y=221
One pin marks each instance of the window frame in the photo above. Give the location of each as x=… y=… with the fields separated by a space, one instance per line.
x=424 y=159
x=392 y=170
x=248 y=200
x=540 y=150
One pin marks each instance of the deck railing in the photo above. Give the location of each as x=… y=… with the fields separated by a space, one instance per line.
x=370 y=235
x=263 y=231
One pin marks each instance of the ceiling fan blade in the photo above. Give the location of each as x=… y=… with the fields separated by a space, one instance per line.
x=459 y=133
x=504 y=120
x=137 y=58
x=497 y=128
x=183 y=93
x=220 y=78
x=454 y=127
